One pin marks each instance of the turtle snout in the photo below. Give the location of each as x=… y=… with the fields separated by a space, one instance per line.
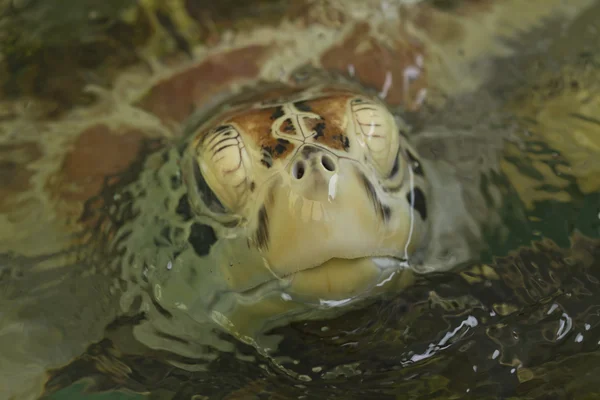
x=313 y=160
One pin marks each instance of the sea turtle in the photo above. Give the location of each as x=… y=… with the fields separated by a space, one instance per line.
x=181 y=253
x=287 y=201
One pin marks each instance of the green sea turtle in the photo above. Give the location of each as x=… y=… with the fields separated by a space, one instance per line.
x=285 y=202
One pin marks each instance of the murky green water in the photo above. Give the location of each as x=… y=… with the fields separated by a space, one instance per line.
x=522 y=321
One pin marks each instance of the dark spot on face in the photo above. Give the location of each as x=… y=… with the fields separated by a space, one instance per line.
x=345 y=142
x=206 y=194
x=267 y=150
x=416 y=199
x=252 y=186
x=372 y=194
x=202 y=237
x=267 y=156
x=279 y=149
x=343 y=139
x=281 y=146
x=262 y=233
x=396 y=166
x=287 y=127
x=387 y=212
x=277 y=113
x=302 y=106
x=183 y=208
x=320 y=130
x=415 y=164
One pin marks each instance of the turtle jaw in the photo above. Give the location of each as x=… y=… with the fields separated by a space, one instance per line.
x=321 y=291
x=341 y=279
x=336 y=280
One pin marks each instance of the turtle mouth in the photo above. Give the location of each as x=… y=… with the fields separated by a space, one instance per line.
x=336 y=279
x=379 y=259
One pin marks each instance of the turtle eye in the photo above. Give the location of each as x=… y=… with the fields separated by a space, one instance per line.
x=377 y=132
x=223 y=169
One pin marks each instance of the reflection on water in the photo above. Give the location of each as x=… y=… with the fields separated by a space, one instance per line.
x=514 y=120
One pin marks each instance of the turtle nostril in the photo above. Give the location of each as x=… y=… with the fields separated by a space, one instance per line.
x=327 y=163
x=298 y=170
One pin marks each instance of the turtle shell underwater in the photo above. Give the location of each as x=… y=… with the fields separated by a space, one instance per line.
x=287 y=202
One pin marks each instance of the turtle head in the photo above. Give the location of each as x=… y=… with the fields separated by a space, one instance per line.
x=321 y=186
